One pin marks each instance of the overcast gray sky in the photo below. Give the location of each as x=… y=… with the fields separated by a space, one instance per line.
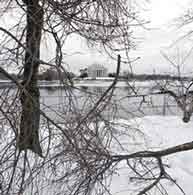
x=163 y=33
x=161 y=14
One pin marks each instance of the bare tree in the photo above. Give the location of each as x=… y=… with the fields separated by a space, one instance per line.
x=29 y=126
x=97 y=21
x=180 y=90
x=104 y=23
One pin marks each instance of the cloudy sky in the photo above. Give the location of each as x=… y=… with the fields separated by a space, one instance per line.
x=162 y=34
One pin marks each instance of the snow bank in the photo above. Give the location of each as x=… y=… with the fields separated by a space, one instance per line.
x=152 y=133
x=161 y=132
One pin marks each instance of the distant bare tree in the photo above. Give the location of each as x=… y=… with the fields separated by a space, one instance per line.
x=180 y=90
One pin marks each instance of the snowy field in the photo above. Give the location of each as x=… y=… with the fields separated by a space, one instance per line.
x=152 y=133
x=106 y=82
x=161 y=132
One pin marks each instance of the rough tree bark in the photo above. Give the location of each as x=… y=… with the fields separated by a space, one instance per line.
x=30 y=116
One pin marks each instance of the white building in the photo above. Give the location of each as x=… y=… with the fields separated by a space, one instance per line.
x=97 y=70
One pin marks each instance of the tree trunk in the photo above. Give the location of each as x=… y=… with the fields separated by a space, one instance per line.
x=30 y=116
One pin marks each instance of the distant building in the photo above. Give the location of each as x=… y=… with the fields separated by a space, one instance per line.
x=97 y=70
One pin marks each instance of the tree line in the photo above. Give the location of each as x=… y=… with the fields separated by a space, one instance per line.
x=51 y=74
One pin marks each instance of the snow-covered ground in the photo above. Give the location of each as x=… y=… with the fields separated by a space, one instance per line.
x=153 y=133
x=161 y=132
x=104 y=82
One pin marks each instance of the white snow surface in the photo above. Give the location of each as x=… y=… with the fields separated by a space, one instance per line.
x=155 y=133
x=161 y=132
